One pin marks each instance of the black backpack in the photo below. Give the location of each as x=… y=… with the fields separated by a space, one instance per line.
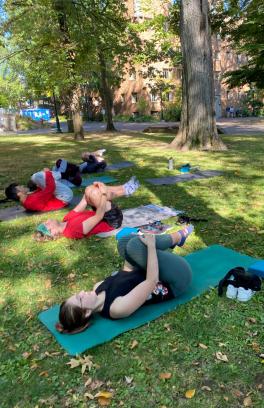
x=241 y=278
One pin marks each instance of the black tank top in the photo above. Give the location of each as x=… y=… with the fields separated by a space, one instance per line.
x=122 y=283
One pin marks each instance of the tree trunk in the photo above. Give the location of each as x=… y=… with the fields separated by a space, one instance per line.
x=75 y=93
x=75 y=109
x=106 y=94
x=198 y=125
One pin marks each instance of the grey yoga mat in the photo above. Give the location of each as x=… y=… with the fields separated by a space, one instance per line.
x=120 y=165
x=184 y=177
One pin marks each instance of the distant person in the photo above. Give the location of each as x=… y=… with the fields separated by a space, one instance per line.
x=48 y=194
x=93 y=161
x=232 y=112
x=228 y=111
x=69 y=172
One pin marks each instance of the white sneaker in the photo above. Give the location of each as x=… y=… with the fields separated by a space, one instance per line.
x=231 y=291
x=243 y=295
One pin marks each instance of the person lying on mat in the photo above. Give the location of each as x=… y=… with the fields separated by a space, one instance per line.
x=69 y=172
x=93 y=161
x=151 y=274
x=80 y=222
x=49 y=194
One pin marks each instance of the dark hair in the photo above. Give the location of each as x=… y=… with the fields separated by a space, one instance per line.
x=11 y=192
x=72 y=319
x=32 y=186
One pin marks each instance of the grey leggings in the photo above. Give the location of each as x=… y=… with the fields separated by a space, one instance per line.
x=173 y=269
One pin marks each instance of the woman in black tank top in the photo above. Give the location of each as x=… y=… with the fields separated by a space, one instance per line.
x=151 y=274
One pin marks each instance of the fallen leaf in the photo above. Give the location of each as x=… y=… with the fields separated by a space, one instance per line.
x=71 y=276
x=206 y=388
x=44 y=374
x=104 y=394
x=190 y=394
x=167 y=327
x=128 y=379
x=226 y=398
x=27 y=354
x=88 y=395
x=134 y=344
x=247 y=402
x=73 y=363
x=220 y=356
x=237 y=393
x=203 y=346
x=88 y=382
x=252 y=320
x=35 y=347
x=34 y=366
x=165 y=376
x=255 y=346
x=103 y=401
x=96 y=384
x=222 y=344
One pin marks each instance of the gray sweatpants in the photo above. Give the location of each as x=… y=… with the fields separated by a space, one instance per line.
x=173 y=269
x=62 y=192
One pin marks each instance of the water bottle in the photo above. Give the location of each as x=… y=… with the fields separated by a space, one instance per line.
x=170 y=163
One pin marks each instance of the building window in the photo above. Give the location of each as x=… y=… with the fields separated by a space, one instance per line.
x=166 y=73
x=169 y=96
x=137 y=8
x=239 y=58
x=134 y=97
x=153 y=97
x=217 y=55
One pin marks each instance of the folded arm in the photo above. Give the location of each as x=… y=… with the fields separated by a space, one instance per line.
x=128 y=304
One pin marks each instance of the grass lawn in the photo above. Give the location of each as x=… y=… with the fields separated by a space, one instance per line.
x=182 y=344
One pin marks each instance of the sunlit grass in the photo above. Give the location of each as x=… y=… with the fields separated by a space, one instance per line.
x=34 y=276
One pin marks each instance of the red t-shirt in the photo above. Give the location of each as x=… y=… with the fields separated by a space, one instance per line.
x=44 y=200
x=74 y=227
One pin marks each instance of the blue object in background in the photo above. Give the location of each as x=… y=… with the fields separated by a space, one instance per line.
x=37 y=114
x=126 y=231
x=257 y=268
x=185 y=168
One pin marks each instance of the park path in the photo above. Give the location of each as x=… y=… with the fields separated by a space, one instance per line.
x=236 y=126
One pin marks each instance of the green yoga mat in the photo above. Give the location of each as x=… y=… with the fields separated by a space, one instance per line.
x=209 y=266
x=102 y=179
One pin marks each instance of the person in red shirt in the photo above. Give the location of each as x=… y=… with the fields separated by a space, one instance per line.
x=50 y=194
x=80 y=222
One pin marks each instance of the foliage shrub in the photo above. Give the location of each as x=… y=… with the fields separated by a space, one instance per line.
x=26 y=123
x=142 y=106
x=172 y=112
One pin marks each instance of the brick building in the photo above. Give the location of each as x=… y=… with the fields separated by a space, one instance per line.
x=139 y=90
